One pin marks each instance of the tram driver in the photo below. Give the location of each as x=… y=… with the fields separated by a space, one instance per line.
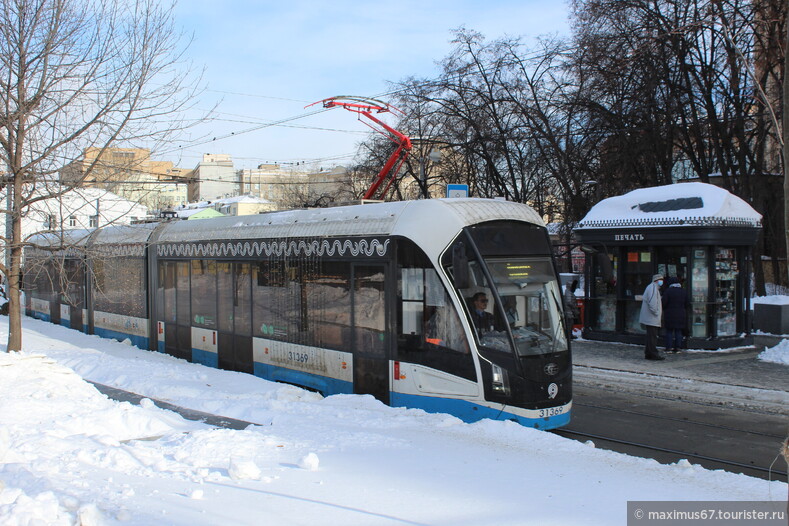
x=483 y=320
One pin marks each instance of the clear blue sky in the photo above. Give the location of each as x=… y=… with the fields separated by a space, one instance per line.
x=265 y=60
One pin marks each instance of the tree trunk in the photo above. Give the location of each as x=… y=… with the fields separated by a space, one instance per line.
x=15 y=269
x=785 y=133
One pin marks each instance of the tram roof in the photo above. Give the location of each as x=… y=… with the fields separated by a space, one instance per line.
x=60 y=243
x=408 y=218
x=65 y=238
x=124 y=234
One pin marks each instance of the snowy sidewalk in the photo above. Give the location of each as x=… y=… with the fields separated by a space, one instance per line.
x=727 y=377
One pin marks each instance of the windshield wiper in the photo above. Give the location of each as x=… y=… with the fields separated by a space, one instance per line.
x=560 y=325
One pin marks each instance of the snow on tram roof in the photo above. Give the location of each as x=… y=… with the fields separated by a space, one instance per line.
x=682 y=204
x=366 y=219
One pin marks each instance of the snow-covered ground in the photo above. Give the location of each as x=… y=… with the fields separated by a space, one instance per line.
x=69 y=455
x=777 y=354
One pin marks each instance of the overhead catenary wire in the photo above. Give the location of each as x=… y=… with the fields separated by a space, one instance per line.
x=285 y=120
x=562 y=50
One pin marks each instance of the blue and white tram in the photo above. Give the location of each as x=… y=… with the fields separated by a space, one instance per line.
x=370 y=299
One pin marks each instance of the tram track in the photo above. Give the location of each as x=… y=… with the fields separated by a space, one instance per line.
x=770 y=472
x=635 y=418
x=676 y=419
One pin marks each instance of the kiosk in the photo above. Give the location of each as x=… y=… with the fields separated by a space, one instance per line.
x=696 y=232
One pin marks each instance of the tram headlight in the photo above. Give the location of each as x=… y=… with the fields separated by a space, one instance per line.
x=501 y=381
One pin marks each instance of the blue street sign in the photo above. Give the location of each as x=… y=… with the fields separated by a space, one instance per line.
x=457 y=190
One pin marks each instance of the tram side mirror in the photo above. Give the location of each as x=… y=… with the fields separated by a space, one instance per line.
x=460 y=266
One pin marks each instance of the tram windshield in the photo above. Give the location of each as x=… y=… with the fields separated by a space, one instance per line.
x=514 y=302
x=529 y=307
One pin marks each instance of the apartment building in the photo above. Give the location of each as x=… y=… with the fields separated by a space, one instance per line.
x=131 y=174
x=213 y=178
x=292 y=186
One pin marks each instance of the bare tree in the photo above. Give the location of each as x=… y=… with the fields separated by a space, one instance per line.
x=647 y=93
x=785 y=150
x=688 y=88
x=76 y=75
x=508 y=119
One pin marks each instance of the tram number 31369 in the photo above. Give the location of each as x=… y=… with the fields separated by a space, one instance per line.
x=551 y=411
x=298 y=357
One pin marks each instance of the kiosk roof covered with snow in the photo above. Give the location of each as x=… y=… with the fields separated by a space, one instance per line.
x=685 y=204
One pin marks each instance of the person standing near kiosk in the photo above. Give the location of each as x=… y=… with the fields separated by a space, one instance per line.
x=651 y=315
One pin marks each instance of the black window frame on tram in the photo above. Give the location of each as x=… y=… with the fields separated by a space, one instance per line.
x=421 y=299
x=490 y=240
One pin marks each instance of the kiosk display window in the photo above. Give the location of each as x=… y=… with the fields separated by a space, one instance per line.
x=638 y=274
x=726 y=273
x=605 y=296
x=699 y=292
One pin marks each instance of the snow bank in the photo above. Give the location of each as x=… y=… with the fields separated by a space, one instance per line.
x=777 y=354
x=69 y=455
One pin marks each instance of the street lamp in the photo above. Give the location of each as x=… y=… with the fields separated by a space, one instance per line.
x=435 y=156
x=596 y=185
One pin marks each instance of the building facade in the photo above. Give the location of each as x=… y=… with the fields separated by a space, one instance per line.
x=85 y=208
x=296 y=186
x=213 y=178
x=131 y=174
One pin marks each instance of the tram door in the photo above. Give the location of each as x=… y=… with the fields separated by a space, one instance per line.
x=234 y=313
x=370 y=345
x=174 y=277
x=75 y=292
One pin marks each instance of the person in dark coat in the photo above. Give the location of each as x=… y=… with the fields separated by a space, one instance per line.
x=482 y=319
x=675 y=314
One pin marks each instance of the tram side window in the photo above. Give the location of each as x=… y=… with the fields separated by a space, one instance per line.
x=37 y=281
x=182 y=293
x=328 y=305
x=50 y=283
x=429 y=331
x=120 y=286
x=29 y=282
x=242 y=299
x=369 y=309
x=277 y=302
x=225 y=295
x=234 y=298
x=204 y=296
x=167 y=281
